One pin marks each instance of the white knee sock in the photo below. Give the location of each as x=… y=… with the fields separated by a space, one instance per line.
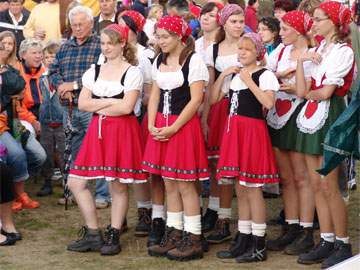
x=192 y=224
x=292 y=221
x=175 y=220
x=146 y=204
x=158 y=211
x=224 y=213
x=258 y=229
x=345 y=240
x=214 y=203
x=244 y=226
x=306 y=224
x=329 y=237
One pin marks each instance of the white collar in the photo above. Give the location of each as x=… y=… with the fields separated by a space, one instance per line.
x=102 y=19
x=15 y=22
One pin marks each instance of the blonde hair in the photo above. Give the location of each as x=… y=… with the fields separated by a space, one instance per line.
x=129 y=52
x=153 y=9
x=12 y=57
x=309 y=6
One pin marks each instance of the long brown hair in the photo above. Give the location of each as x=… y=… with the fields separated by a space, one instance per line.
x=220 y=36
x=129 y=52
x=12 y=60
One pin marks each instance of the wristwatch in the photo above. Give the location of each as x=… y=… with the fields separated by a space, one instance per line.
x=75 y=85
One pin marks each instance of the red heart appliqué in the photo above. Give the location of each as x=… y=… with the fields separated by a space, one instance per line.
x=311 y=108
x=282 y=106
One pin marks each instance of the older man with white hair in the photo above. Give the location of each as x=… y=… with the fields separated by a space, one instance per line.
x=74 y=57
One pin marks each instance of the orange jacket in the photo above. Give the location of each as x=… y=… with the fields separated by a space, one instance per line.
x=29 y=75
x=23 y=114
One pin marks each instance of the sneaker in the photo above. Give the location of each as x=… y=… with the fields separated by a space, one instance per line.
x=16 y=206
x=70 y=201
x=221 y=232
x=289 y=233
x=45 y=190
x=189 y=248
x=89 y=240
x=157 y=232
x=318 y=254
x=12 y=235
x=101 y=204
x=208 y=221
x=26 y=202
x=256 y=252
x=302 y=244
x=112 y=242
x=238 y=246
x=144 y=224
x=341 y=253
x=168 y=242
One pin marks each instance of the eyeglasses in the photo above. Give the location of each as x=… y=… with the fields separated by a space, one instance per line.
x=315 y=19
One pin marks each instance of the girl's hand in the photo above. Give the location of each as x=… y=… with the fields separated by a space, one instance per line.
x=245 y=76
x=230 y=70
x=205 y=130
x=288 y=88
x=289 y=73
x=165 y=133
x=311 y=56
x=153 y=130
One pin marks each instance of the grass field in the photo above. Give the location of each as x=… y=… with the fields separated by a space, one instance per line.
x=47 y=231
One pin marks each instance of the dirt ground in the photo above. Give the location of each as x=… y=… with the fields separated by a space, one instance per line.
x=47 y=231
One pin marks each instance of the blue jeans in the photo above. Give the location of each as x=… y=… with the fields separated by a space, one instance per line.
x=80 y=122
x=23 y=161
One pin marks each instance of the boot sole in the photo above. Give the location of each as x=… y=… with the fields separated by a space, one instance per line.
x=310 y=262
x=297 y=252
x=219 y=241
x=155 y=254
x=86 y=250
x=184 y=259
x=110 y=254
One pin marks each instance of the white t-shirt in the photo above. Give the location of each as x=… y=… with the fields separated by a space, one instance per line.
x=103 y=88
x=174 y=79
x=267 y=81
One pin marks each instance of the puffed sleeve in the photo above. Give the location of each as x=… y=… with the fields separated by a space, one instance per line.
x=268 y=81
x=308 y=68
x=272 y=59
x=336 y=70
x=154 y=69
x=209 y=57
x=88 y=79
x=133 y=79
x=197 y=69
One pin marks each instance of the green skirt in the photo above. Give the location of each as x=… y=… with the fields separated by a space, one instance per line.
x=312 y=144
x=285 y=137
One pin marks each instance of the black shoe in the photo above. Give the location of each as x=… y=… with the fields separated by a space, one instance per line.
x=8 y=242
x=238 y=246
x=289 y=233
x=112 y=242
x=144 y=224
x=204 y=243
x=256 y=252
x=45 y=190
x=14 y=235
x=280 y=220
x=89 y=240
x=157 y=232
x=302 y=244
x=221 y=232
x=318 y=254
x=341 y=253
x=208 y=220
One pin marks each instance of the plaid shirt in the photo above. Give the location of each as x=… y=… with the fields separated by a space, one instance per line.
x=72 y=61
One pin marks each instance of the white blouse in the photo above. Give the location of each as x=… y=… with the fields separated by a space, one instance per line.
x=104 y=88
x=222 y=63
x=199 y=47
x=336 y=63
x=267 y=81
x=172 y=79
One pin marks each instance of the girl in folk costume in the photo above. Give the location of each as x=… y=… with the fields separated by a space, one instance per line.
x=135 y=22
x=221 y=59
x=246 y=155
x=331 y=77
x=175 y=149
x=112 y=148
x=299 y=205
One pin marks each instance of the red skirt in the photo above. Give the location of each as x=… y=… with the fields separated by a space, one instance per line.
x=246 y=152
x=144 y=129
x=111 y=149
x=183 y=157
x=216 y=122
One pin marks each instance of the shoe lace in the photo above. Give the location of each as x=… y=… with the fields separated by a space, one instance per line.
x=109 y=236
x=165 y=238
x=219 y=226
x=184 y=243
x=144 y=216
x=81 y=233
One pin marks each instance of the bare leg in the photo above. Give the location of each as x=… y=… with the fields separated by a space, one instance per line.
x=120 y=203
x=6 y=217
x=257 y=205
x=243 y=202
x=157 y=190
x=173 y=198
x=226 y=195
x=190 y=198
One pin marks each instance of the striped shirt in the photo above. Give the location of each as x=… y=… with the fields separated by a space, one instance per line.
x=72 y=61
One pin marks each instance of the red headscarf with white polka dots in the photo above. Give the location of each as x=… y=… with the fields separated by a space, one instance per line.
x=176 y=25
x=299 y=20
x=121 y=30
x=337 y=12
x=138 y=19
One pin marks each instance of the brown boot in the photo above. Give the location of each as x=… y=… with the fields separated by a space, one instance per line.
x=190 y=248
x=170 y=238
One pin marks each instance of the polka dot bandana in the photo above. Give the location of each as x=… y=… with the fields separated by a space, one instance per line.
x=337 y=12
x=121 y=30
x=134 y=20
x=299 y=20
x=176 y=25
x=229 y=10
x=259 y=45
